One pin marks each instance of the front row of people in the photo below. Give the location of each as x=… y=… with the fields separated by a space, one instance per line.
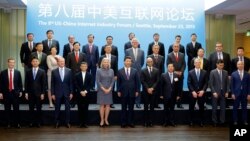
x=63 y=85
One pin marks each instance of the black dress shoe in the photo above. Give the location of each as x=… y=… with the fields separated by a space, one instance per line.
x=180 y=106
x=38 y=125
x=165 y=124
x=214 y=124
x=201 y=124
x=191 y=124
x=112 y=106
x=18 y=126
x=138 y=106
x=123 y=126
x=245 y=124
x=83 y=126
x=145 y=125
x=101 y=125
x=31 y=125
x=172 y=124
x=68 y=125
x=8 y=126
x=157 y=106
x=235 y=123
x=132 y=125
x=72 y=106
x=57 y=125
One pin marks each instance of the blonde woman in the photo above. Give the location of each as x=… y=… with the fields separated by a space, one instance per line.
x=52 y=64
x=105 y=82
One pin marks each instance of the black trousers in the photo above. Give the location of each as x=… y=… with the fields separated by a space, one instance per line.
x=83 y=105
x=12 y=99
x=127 y=114
x=201 y=101
x=35 y=115
x=149 y=100
x=169 y=104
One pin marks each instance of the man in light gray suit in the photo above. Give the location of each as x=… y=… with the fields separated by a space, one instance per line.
x=137 y=56
x=219 y=85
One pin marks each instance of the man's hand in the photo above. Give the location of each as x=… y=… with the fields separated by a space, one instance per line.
x=136 y=94
x=53 y=97
x=70 y=96
x=194 y=94
x=233 y=97
x=26 y=96
x=1 y=96
x=42 y=97
x=119 y=94
x=215 y=95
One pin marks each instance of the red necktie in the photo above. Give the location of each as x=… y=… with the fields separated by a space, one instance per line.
x=77 y=57
x=10 y=81
x=176 y=57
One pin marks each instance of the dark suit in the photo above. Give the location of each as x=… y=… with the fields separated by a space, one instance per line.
x=182 y=49
x=43 y=62
x=92 y=58
x=73 y=64
x=246 y=63
x=161 y=51
x=35 y=88
x=11 y=97
x=205 y=64
x=83 y=102
x=192 y=52
x=46 y=48
x=128 y=88
x=25 y=52
x=241 y=89
x=67 y=50
x=128 y=45
x=179 y=65
x=149 y=80
x=197 y=85
x=226 y=58
x=114 y=63
x=220 y=85
x=62 y=90
x=169 y=91
x=113 y=52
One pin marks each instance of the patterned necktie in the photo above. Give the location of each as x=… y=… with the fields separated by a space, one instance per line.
x=127 y=74
x=34 y=73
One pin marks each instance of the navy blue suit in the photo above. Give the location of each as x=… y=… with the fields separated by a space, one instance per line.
x=241 y=89
x=92 y=58
x=62 y=90
x=128 y=88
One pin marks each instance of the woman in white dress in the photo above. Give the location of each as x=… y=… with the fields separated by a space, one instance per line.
x=52 y=64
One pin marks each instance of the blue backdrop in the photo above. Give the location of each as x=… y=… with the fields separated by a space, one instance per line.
x=117 y=18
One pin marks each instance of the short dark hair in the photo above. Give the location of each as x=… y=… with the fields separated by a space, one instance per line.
x=156 y=34
x=220 y=61
x=127 y=57
x=84 y=63
x=194 y=34
x=91 y=35
x=50 y=30
x=39 y=43
x=130 y=33
x=52 y=48
x=240 y=48
x=34 y=57
x=109 y=36
x=76 y=43
x=177 y=36
x=29 y=34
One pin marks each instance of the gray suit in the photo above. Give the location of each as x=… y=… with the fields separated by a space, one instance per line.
x=137 y=63
x=220 y=85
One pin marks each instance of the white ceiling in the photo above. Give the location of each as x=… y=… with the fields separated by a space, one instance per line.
x=240 y=8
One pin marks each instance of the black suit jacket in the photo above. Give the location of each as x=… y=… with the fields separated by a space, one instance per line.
x=205 y=64
x=92 y=57
x=4 y=82
x=82 y=85
x=194 y=84
x=226 y=58
x=43 y=63
x=192 y=52
x=246 y=64
x=159 y=63
x=35 y=87
x=128 y=45
x=66 y=50
x=114 y=63
x=182 y=49
x=72 y=64
x=179 y=65
x=168 y=89
x=113 y=52
x=161 y=51
x=46 y=48
x=149 y=81
x=128 y=88
x=25 y=52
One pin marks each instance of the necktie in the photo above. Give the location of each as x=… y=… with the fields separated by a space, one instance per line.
x=198 y=74
x=201 y=63
x=176 y=57
x=30 y=46
x=241 y=75
x=34 y=74
x=156 y=58
x=39 y=57
x=10 y=81
x=171 y=77
x=77 y=57
x=61 y=74
x=150 y=71
x=220 y=73
x=135 y=54
x=127 y=74
x=50 y=43
x=241 y=58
